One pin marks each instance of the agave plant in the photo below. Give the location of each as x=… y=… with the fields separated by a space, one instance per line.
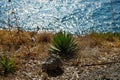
x=64 y=45
x=7 y=65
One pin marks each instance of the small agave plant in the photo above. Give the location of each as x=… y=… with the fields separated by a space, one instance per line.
x=64 y=45
x=6 y=65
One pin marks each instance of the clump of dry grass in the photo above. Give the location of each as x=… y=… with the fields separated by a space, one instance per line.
x=4 y=37
x=107 y=39
x=14 y=37
x=44 y=37
x=21 y=45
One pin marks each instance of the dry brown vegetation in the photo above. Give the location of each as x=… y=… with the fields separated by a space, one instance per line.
x=93 y=49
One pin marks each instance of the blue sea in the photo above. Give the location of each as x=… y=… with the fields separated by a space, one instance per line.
x=74 y=16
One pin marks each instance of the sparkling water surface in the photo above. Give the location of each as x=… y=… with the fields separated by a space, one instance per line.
x=74 y=16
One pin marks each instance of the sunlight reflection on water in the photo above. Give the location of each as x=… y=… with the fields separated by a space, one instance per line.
x=75 y=16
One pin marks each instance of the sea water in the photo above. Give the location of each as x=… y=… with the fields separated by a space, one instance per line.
x=74 y=16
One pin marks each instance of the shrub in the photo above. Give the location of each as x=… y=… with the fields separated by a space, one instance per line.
x=64 y=45
x=7 y=65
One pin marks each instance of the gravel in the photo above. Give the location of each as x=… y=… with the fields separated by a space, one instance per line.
x=31 y=69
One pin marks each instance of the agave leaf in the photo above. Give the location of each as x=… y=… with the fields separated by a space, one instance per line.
x=53 y=48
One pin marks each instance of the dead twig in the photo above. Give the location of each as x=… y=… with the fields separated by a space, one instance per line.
x=107 y=63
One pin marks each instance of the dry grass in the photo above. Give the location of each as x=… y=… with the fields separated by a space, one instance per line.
x=14 y=37
x=44 y=37
x=107 y=39
x=22 y=44
x=96 y=49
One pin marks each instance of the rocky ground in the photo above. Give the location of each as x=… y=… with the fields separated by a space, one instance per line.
x=98 y=65
x=93 y=62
